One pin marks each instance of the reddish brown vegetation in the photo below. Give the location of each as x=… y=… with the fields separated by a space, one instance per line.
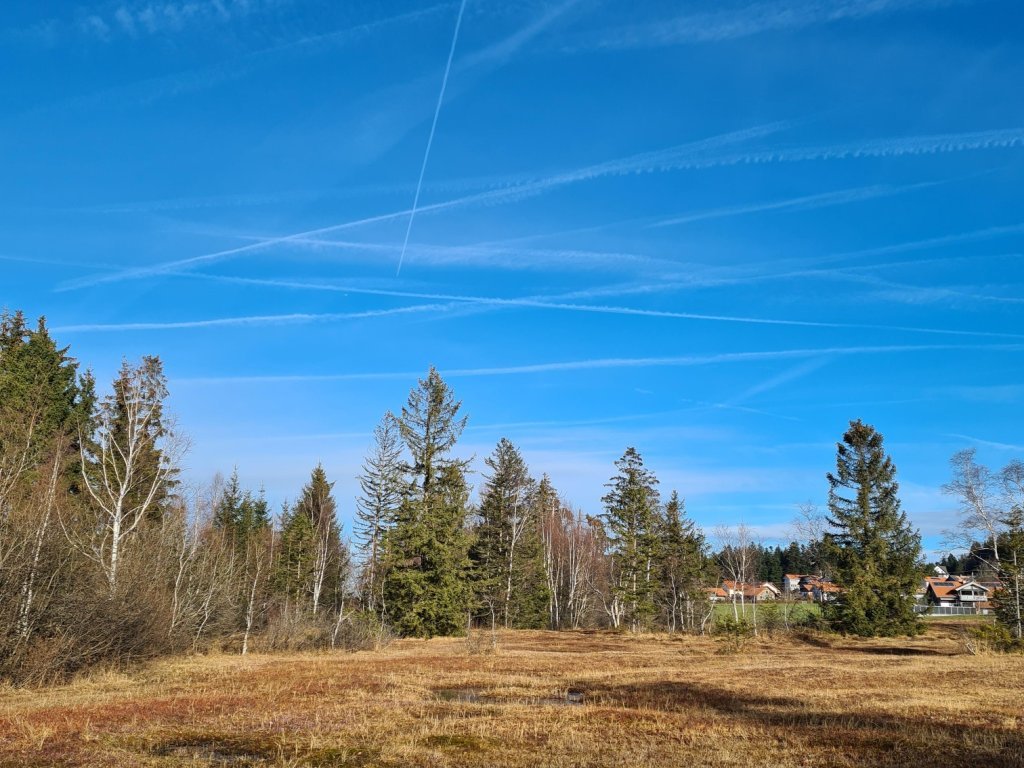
x=650 y=700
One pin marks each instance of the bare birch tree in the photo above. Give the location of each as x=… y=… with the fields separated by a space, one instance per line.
x=976 y=487
x=130 y=467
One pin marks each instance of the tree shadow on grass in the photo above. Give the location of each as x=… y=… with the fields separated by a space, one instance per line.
x=856 y=737
x=830 y=643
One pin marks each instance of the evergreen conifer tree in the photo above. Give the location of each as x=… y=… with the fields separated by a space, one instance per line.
x=682 y=562
x=508 y=553
x=44 y=405
x=426 y=590
x=316 y=540
x=631 y=522
x=240 y=514
x=228 y=512
x=873 y=547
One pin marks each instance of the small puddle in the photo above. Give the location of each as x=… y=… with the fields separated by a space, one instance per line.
x=573 y=698
x=464 y=695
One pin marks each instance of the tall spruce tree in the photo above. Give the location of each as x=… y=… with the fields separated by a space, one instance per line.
x=228 y=512
x=44 y=405
x=507 y=554
x=316 y=541
x=430 y=425
x=426 y=589
x=631 y=521
x=682 y=562
x=873 y=547
x=383 y=486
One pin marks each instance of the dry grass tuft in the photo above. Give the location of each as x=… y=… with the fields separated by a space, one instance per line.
x=647 y=700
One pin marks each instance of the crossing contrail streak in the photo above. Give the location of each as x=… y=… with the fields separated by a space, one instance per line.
x=430 y=138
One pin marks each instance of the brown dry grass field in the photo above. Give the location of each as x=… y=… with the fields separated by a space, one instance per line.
x=647 y=701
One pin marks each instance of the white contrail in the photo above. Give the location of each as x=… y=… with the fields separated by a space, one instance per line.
x=552 y=303
x=248 y=320
x=804 y=202
x=988 y=443
x=750 y=20
x=932 y=242
x=791 y=374
x=643 y=162
x=609 y=363
x=695 y=155
x=430 y=138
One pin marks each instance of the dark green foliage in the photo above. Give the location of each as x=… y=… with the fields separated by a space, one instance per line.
x=43 y=404
x=631 y=523
x=240 y=514
x=507 y=554
x=313 y=561
x=426 y=588
x=682 y=565
x=775 y=562
x=872 y=545
x=430 y=426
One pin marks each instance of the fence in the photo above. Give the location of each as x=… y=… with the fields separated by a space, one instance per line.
x=951 y=610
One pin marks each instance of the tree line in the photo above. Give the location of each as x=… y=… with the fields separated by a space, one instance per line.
x=106 y=556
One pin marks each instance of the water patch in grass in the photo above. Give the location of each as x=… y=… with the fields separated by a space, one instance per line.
x=219 y=749
x=254 y=750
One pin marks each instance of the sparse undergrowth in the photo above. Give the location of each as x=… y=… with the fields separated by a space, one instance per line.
x=648 y=700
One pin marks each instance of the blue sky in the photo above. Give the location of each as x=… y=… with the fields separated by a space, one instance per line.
x=716 y=231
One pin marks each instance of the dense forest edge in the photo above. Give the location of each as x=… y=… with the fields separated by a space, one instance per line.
x=108 y=557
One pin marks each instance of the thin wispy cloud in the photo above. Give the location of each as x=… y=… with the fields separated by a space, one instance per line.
x=384 y=118
x=248 y=320
x=699 y=154
x=975 y=235
x=56 y=262
x=190 y=81
x=643 y=162
x=983 y=393
x=492 y=255
x=785 y=377
x=988 y=443
x=551 y=303
x=736 y=23
x=147 y=19
x=801 y=203
x=933 y=144
x=430 y=137
x=608 y=363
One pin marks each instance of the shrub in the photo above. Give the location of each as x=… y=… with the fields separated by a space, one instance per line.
x=989 y=638
x=733 y=633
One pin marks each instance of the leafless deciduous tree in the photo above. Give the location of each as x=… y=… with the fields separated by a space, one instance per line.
x=977 y=488
x=127 y=466
x=738 y=558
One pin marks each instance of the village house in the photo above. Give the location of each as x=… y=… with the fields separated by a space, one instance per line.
x=716 y=594
x=945 y=591
x=750 y=593
x=805 y=586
